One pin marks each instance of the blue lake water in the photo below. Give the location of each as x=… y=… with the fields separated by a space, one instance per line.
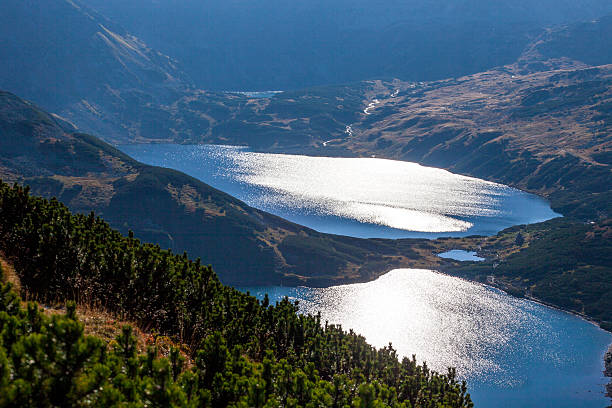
x=461 y=255
x=512 y=352
x=361 y=197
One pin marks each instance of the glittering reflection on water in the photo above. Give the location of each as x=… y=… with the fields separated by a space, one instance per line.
x=505 y=347
x=364 y=197
x=385 y=192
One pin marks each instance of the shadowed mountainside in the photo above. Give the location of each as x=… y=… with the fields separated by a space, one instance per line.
x=78 y=64
x=73 y=62
x=589 y=42
x=274 y=44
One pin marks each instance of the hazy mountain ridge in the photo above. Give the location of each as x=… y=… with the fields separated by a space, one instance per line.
x=92 y=72
x=270 y=44
x=125 y=91
x=589 y=42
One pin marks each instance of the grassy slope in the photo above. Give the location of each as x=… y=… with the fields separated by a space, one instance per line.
x=545 y=132
x=96 y=321
x=543 y=125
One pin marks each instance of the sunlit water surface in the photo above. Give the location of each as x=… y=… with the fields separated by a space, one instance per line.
x=362 y=197
x=512 y=352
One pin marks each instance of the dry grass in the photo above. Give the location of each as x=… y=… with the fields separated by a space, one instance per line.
x=481 y=103
x=192 y=200
x=95 y=191
x=98 y=322
x=9 y=275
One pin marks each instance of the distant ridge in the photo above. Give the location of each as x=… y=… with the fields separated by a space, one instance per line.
x=273 y=44
x=589 y=42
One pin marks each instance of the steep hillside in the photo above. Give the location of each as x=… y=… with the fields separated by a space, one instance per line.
x=169 y=208
x=545 y=131
x=297 y=119
x=542 y=124
x=561 y=262
x=80 y=65
x=72 y=61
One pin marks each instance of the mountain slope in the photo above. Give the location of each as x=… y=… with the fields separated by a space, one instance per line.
x=560 y=262
x=80 y=65
x=250 y=247
x=546 y=131
x=589 y=42
x=246 y=246
x=244 y=353
x=273 y=44
x=72 y=61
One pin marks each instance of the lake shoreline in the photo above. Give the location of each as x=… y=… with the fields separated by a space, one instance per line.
x=344 y=152
x=608 y=370
x=423 y=257
x=357 y=197
x=503 y=288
